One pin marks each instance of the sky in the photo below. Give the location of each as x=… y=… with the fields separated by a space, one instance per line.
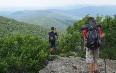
x=51 y=3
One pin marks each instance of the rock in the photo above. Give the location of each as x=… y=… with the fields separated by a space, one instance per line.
x=73 y=64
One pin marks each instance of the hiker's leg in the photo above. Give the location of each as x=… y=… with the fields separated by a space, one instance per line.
x=89 y=59
x=96 y=57
x=95 y=65
x=91 y=67
x=52 y=48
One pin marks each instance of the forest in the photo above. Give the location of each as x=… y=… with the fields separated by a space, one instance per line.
x=24 y=47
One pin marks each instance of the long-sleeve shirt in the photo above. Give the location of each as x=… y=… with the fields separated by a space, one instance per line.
x=53 y=34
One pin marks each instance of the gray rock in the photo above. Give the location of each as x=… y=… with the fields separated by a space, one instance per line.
x=73 y=64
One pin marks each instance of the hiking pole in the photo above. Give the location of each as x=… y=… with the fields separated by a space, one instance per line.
x=104 y=58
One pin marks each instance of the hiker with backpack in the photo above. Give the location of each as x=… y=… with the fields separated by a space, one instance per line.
x=52 y=39
x=92 y=35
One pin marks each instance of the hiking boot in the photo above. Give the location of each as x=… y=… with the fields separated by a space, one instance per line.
x=52 y=53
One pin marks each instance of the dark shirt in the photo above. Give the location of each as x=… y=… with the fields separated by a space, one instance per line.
x=53 y=35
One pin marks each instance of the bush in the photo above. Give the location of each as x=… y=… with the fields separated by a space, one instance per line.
x=22 y=53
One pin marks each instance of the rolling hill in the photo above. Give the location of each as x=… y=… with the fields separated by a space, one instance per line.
x=10 y=26
x=60 y=18
x=43 y=17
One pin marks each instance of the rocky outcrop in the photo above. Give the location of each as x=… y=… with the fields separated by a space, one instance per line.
x=73 y=64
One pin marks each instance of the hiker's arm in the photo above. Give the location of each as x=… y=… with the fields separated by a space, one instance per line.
x=84 y=32
x=56 y=34
x=102 y=35
x=99 y=30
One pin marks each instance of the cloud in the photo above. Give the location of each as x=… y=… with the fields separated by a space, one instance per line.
x=52 y=3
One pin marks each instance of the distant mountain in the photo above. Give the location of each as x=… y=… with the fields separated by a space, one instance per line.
x=61 y=18
x=43 y=17
x=5 y=13
x=93 y=11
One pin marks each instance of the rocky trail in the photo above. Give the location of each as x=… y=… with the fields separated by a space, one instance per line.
x=73 y=64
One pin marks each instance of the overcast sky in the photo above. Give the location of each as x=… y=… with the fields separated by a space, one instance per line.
x=51 y=3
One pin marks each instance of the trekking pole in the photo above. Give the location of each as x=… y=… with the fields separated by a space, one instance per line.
x=104 y=58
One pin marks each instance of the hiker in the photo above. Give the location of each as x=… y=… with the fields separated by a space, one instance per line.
x=92 y=35
x=52 y=39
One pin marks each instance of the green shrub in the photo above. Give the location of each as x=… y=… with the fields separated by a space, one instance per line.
x=22 y=53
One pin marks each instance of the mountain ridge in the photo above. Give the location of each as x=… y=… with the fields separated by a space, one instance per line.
x=60 y=18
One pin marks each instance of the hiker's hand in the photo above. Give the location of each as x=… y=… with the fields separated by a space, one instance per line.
x=55 y=30
x=102 y=35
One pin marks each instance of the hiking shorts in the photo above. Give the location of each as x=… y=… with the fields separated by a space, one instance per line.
x=53 y=46
x=92 y=55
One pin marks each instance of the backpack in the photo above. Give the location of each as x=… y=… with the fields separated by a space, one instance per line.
x=51 y=37
x=92 y=36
